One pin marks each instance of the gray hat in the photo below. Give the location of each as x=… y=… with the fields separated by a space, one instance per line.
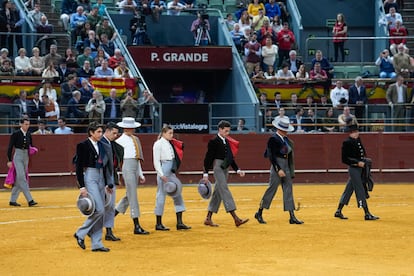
x=205 y=189
x=86 y=205
x=282 y=124
x=172 y=188
x=128 y=122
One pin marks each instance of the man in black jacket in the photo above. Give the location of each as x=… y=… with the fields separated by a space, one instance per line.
x=353 y=155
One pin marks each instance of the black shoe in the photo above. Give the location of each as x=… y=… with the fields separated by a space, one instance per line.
x=182 y=226
x=101 y=249
x=81 y=242
x=259 y=218
x=32 y=203
x=294 y=220
x=111 y=237
x=139 y=231
x=160 y=227
x=11 y=203
x=370 y=217
x=340 y=215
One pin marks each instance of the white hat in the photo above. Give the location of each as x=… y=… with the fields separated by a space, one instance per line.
x=172 y=188
x=205 y=189
x=86 y=205
x=128 y=122
x=283 y=124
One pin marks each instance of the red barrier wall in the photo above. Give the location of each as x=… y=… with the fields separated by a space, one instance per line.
x=317 y=158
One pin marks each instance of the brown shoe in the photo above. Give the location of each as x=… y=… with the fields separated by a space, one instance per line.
x=239 y=222
x=209 y=222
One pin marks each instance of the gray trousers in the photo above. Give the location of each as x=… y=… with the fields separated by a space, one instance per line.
x=109 y=215
x=130 y=173
x=161 y=194
x=399 y=116
x=221 y=190
x=21 y=163
x=274 y=181
x=95 y=184
x=354 y=184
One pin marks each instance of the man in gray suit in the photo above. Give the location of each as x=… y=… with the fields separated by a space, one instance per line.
x=397 y=98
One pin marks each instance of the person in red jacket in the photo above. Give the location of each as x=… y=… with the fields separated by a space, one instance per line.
x=398 y=35
x=286 y=40
x=339 y=32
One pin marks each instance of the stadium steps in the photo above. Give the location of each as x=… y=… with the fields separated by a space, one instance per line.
x=407 y=14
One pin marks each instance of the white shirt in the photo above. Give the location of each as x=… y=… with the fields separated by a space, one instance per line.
x=129 y=149
x=22 y=63
x=162 y=150
x=337 y=94
x=65 y=130
x=400 y=98
x=95 y=145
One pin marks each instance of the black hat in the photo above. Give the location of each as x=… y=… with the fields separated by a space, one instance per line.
x=351 y=128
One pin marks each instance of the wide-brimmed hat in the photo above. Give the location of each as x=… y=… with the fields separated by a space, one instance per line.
x=172 y=188
x=205 y=189
x=128 y=122
x=108 y=198
x=282 y=124
x=86 y=205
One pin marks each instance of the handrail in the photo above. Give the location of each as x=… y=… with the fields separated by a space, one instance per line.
x=28 y=19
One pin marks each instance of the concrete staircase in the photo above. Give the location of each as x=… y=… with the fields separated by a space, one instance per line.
x=408 y=21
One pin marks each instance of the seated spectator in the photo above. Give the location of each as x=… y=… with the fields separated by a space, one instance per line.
x=309 y=102
x=384 y=61
x=252 y=52
x=44 y=42
x=398 y=36
x=293 y=101
x=74 y=112
x=319 y=75
x=302 y=75
x=129 y=106
x=324 y=101
x=392 y=17
x=115 y=60
x=236 y=35
x=229 y=21
x=272 y=9
x=157 y=7
x=100 y=57
x=281 y=114
x=175 y=7
x=339 y=95
x=86 y=56
x=324 y=63
x=93 y=17
x=266 y=32
x=52 y=110
x=85 y=71
x=278 y=99
x=47 y=89
x=104 y=71
x=107 y=45
x=86 y=91
x=127 y=7
x=101 y=7
x=105 y=28
x=257 y=73
x=22 y=64
x=4 y=53
x=36 y=14
x=310 y=121
x=50 y=72
x=270 y=73
x=329 y=121
x=92 y=43
x=122 y=71
x=189 y=4
x=86 y=5
x=293 y=62
x=346 y=118
x=67 y=9
x=67 y=88
x=247 y=32
x=63 y=129
x=6 y=68
x=245 y=21
x=70 y=60
x=390 y=3
x=296 y=120
x=259 y=21
x=37 y=62
x=112 y=109
x=241 y=125
x=284 y=75
x=63 y=71
x=77 y=21
x=36 y=109
x=42 y=128
x=254 y=8
x=96 y=107
x=276 y=24
x=52 y=56
x=402 y=62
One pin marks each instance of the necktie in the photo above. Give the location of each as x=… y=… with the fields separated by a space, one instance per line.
x=113 y=109
x=135 y=139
